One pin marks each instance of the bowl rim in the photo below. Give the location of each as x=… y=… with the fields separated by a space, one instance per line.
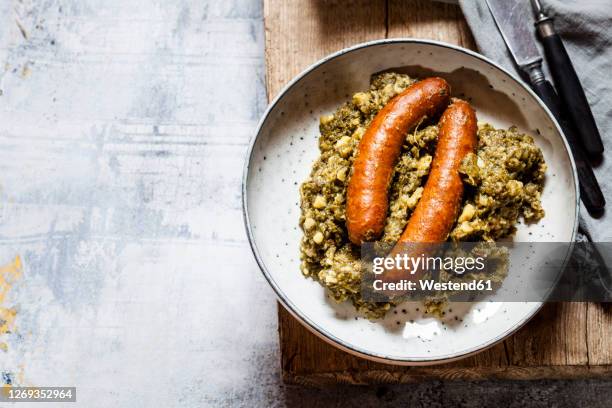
x=311 y=325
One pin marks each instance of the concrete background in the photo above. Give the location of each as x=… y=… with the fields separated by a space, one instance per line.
x=123 y=128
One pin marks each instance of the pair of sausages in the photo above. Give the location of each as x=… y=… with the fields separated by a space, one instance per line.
x=379 y=150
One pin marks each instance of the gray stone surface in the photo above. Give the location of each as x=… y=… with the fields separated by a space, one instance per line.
x=123 y=128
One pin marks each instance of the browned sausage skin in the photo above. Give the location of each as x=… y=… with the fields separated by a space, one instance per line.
x=378 y=152
x=437 y=210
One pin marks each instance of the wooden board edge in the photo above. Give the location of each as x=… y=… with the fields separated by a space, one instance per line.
x=420 y=374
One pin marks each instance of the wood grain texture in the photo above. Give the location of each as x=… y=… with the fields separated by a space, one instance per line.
x=299 y=33
x=599 y=333
x=571 y=340
x=426 y=19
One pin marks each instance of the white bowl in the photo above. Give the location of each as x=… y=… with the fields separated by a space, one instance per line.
x=285 y=146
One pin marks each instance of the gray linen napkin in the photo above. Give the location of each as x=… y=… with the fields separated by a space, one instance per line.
x=585 y=27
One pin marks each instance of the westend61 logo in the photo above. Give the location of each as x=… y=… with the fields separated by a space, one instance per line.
x=429 y=285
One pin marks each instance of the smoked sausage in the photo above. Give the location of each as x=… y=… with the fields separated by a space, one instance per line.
x=379 y=150
x=437 y=210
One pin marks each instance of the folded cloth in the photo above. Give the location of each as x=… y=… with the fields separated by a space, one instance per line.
x=585 y=29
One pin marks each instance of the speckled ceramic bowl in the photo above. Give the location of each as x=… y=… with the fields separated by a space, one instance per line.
x=280 y=158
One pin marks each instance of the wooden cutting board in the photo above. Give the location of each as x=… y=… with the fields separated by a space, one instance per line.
x=565 y=340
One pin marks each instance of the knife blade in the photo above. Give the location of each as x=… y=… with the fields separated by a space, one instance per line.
x=567 y=82
x=511 y=18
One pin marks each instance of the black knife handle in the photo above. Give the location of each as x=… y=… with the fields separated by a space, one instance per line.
x=590 y=192
x=572 y=93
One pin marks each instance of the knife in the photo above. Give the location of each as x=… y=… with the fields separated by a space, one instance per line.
x=567 y=83
x=510 y=17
